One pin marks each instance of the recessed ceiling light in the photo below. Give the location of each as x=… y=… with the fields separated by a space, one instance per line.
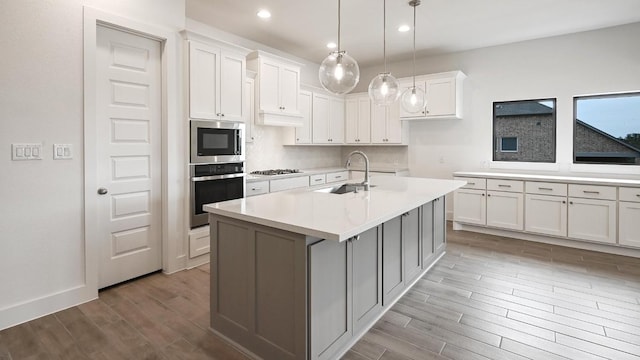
x=264 y=14
x=331 y=45
x=404 y=28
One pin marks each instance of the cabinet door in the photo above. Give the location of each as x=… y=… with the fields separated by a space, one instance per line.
x=546 y=214
x=590 y=219
x=289 y=89
x=249 y=109
x=336 y=120
x=392 y=272
x=204 y=83
x=505 y=210
x=441 y=97
x=329 y=297
x=411 y=242
x=629 y=223
x=367 y=277
x=352 y=121
x=364 y=120
x=427 y=234
x=394 y=124
x=470 y=206
x=378 y=124
x=303 y=133
x=439 y=225
x=232 y=79
x=269 y=79
x=320 y=119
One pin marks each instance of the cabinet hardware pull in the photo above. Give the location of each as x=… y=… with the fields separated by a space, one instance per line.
x=564 y=202
x=356 y=238
x=638 y=195
x=488 y=194
x=338 y=176
x=471 y=183
x=503 y=185
x=256 y=189
x=570 y=202
x=591 y=192
x=482 y=194
x=545 y=188
x=317 y=180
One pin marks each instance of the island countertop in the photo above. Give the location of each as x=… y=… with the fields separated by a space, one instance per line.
x=336 y=216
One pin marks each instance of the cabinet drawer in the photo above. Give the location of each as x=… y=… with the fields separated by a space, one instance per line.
x=592 y=192
x=505 y=185
x=199 y=243
x=544 y=188
x=257 y=188
x=290 y=183
x=473 y=183
x=338 y=176
x=317 y=179
x=630 y=194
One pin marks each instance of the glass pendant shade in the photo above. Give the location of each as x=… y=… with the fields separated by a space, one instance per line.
x=413 y=100
x=339 y=73
x=384 y=89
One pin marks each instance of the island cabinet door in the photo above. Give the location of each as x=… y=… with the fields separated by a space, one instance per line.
x=367 y=277
x=439 y=225
x=330 y=297
x=393 y=280
x=411 y=244
x=426 y=234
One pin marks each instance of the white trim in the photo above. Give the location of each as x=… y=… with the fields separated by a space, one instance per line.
x=502 y=144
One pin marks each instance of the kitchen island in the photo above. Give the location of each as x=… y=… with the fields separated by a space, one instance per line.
x=302 y=274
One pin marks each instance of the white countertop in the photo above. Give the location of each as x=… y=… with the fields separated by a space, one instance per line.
x=336 y=216
x=595 y=179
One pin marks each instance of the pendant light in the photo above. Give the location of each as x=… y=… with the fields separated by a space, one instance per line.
x=414 y=99
x=384 y=88
x=339 y=73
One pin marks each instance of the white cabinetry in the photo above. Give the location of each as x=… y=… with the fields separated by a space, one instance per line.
x=216 y=83
x=505 y=205
x=592 y=213
x=470 y=201
x=407 y=83
x=443 y=92
x=328 y=119
x=257 y=188
x=629 y=217
x=250 y=110
x=358 y=119
x=278 y=89
x=546 y=208
x=303 y=133
x=288 y=183
x=338 y=176
x=386 y=127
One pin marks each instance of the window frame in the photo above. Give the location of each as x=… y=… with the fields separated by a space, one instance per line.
x=495 y=139
x=502 y=144
x=575 y=128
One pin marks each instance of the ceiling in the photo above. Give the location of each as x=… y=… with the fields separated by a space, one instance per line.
x=304 y=27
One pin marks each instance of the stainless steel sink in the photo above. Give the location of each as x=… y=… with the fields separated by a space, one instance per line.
x=342 y=189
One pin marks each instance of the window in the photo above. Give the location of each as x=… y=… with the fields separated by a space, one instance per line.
x=525 y=130
x=606 y=129
x=509 y=144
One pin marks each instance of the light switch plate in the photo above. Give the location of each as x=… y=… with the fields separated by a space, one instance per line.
x=26 y=151
x=62 y=152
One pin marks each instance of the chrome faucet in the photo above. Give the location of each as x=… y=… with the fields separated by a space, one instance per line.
x=364 y=183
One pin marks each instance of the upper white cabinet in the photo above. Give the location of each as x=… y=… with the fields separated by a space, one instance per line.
x=357 y=119
x=250 y=110
x=328 y=119
x=443 y=92
x=277 y=89
x=216 y=82
x=303 y=133
x=386 y=126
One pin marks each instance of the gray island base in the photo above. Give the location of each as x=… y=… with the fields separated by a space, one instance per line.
x=292 y=294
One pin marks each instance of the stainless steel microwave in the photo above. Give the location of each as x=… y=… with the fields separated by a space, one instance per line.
x=216 y=142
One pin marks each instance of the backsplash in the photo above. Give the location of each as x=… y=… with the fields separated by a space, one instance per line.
x=396 y=156
x=267 y=152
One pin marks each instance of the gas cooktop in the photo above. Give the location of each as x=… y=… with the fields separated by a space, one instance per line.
x=275 y=172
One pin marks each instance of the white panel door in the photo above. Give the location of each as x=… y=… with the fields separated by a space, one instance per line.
x=546 y=214
x=303 y=133
x=269 y=80
x=320 y=119
x=470 y=206
x=232 y=80
x=289 y=89
x=351 y=121
x=441 y=97
x=378 y=124
x=591 y=219
x=128 y=124
x=394 y=125
x=629 y=223
x=505 y=210
x=204 y=83
x=336 y=120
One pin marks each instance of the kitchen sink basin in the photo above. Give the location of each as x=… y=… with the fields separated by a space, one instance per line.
x=343 y=189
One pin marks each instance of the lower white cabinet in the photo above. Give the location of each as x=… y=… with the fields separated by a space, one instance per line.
x=546 y=214
x=505 y=210
x=470 y=206
x=629 y=223
x=338 y=176
x=199 y=243
x=592 y=219
x=257 y=188
x=288 y=183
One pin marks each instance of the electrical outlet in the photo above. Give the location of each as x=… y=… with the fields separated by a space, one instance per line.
x=26 y=151
x=62 y=152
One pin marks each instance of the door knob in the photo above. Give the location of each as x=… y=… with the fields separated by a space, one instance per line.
x=102 y=191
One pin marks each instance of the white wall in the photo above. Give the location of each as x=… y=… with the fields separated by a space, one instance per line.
x=561 y=67
x=41 y=101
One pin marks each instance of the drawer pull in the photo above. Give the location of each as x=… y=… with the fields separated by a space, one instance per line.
x=638 y=195
x=339 y=177
x=317 y=180
x=591 y=192
x=564 y=202
x=504 y=185
x=470 y=183
x=545 y=188
x=256 y=189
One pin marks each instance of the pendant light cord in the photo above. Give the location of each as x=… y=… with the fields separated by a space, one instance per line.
x=338 y=26
x=384 y=33
x=414 y=46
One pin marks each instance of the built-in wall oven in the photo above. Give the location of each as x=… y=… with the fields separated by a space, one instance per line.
x=212 y=183
x=216 y=141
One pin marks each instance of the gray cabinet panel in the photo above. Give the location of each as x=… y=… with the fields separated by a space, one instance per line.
x=367 y=277
x=392 y=272
x=329 y=298
x=427 y=235
x=439 y=225
x=411 y=244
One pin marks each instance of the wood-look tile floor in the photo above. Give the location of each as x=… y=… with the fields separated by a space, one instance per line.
x=488 y=298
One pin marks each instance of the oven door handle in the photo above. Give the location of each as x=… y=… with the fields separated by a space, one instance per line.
x=216 y=177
